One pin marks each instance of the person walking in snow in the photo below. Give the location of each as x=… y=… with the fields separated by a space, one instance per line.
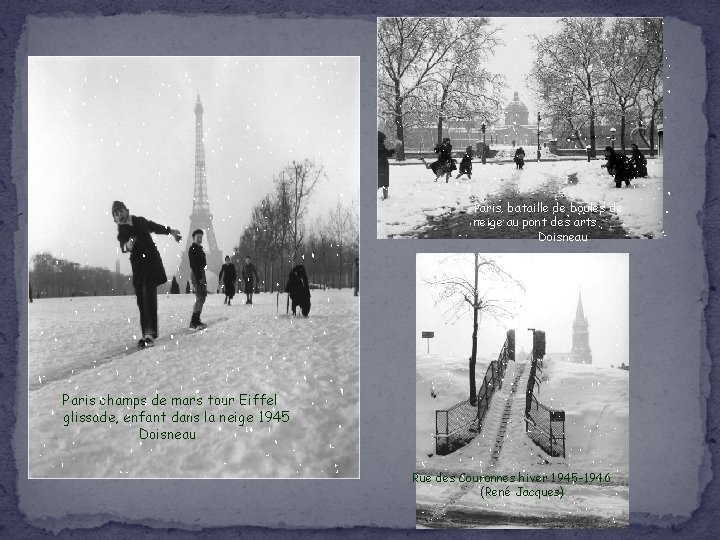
x=147 y=267
x=196 y=256
x=228 y=276
x=445 y=164
x=466 y=163
x=249 y=277
x=638 y=163
x=519 y=158
x=617 y=166
x=383 y=166
x=174 y=286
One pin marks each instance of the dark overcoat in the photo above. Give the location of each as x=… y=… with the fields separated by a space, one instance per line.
x=144 y=257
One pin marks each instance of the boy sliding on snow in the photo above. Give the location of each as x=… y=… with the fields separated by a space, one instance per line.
x=147 y=267
x=196 y=256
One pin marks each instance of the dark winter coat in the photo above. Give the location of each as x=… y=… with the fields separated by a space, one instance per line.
x=445 y=162
x=466 y=164
x=174 y=287
x=144 y=257
x=196 y=256
x=228 y=275
x=299 y=289
x=638 y=163
x=383 y=165
x=249 y=276
x=618 y=166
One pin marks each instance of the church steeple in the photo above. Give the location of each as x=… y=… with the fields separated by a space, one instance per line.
x=580 y=353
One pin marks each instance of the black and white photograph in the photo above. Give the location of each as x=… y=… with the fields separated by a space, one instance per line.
x=535 y=128
x=522 y=390
x=193 y=267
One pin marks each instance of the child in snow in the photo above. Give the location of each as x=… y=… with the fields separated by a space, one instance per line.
x=147 y=267
x=383 y=165
x=519 y=158
x=638 y=163
x=228 y=276
x=466 y=163
x=250 y=277
x=617 y=165
x=445 y=163
x=196 y=256
x=299 y=290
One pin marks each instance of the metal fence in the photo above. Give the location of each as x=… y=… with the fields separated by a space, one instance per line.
x=458 y=425
x=544 y=426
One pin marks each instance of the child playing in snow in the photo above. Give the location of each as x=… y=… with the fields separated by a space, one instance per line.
x=445 y=163
x=466 y=163
x=147 y=267
x=196 y=256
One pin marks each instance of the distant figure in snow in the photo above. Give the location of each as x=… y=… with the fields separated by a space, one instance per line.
x=356 y=277
x=299 y=290
x=174 y=286
x=466 y=163
x=519 y=158
x=196 y=256
x=445 y=163
x=250 y=278
x=638 y=163
x=30 y=288
x=617 y=166
x=147 y=267
x=228 y=275
x=383 y=166
x=187 y=287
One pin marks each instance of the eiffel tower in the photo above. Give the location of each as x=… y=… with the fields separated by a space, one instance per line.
x=201 y=218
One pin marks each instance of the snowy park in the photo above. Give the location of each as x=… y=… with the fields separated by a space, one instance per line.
x=417 y=203
x=296 y=377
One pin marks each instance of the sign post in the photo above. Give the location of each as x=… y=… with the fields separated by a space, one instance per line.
x=428 y=335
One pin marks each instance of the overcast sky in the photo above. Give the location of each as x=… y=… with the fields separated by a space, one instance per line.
x=514 y=59
x=552 y=282
x=123 y=128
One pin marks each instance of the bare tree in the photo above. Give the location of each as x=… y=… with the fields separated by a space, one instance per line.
x=569 y=64
x=341 y=226
x=651 y=98
x=302 y=178
x=477 y=294
x=626 y=64
x=409 y=50
x=461 y=87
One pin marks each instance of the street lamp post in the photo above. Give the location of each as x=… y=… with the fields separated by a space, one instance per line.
x=612 y=137
x=538 y=137
x=482 y=128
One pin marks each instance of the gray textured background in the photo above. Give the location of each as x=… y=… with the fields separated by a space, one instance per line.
x=669 y=363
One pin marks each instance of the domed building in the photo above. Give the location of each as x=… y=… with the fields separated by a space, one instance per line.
x=516 y=113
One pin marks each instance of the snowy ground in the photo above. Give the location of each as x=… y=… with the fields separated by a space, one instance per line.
x=85 y=348
x=595 y=401
x=415 y=199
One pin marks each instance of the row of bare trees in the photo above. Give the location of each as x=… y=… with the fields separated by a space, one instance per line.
x=54 y=277
x=433 y=69
x=278 y=237
x=595 y=69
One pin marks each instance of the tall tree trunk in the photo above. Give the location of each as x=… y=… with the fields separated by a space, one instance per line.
x=652 y=135
x=593 y=151
x=622 y=131
x=399 y=128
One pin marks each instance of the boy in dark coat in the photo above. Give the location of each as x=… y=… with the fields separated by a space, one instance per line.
x=196 y=256
x=519 y=158
x=228 y=275
x=250 y=277
x=466 y=163
x=445 y=163
x=147 y=267
x=299 y=290
x=617 y=166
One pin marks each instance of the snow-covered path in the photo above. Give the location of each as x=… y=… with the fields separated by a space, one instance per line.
x=77 y=350
x=466 y=502
x=416 y=202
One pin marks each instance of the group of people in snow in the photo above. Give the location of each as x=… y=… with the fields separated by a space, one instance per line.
x=148 y=272
x=624 y=169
